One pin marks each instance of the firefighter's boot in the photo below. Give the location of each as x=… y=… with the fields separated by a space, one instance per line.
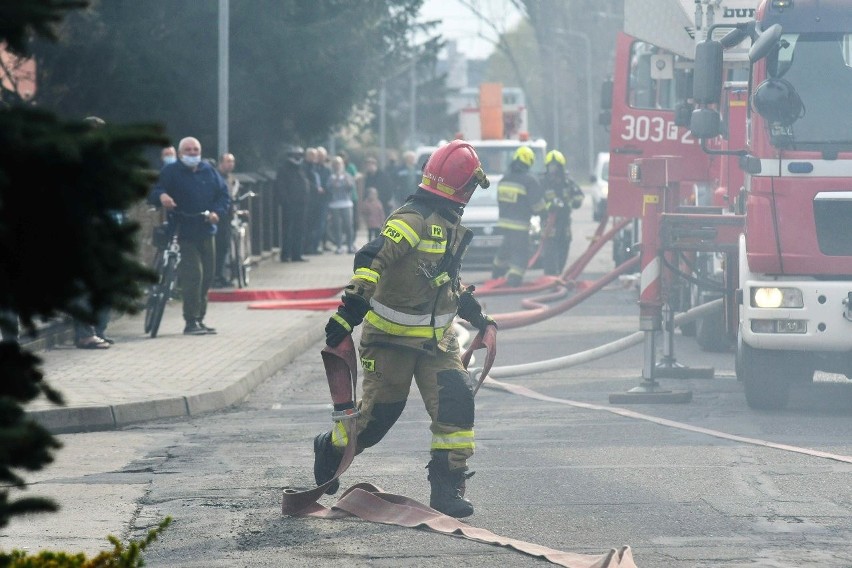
x=448 y=488
x=326 y=460
x=514 y=280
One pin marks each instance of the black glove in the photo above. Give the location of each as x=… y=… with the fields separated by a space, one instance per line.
x=470 y=310
x=349 y=314
x=577 y=196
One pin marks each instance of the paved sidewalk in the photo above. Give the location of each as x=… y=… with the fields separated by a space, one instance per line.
x=140 y=378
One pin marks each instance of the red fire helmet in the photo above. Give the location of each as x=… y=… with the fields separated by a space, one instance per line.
x=453 y=171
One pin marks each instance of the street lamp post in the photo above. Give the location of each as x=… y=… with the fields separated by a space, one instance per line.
x=555 y=83
x=383 y=160
x=412 y=95
x=224 y=24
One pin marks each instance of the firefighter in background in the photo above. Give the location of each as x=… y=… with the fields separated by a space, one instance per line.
x=406 y=286
x=561 y=196
x=519 y=196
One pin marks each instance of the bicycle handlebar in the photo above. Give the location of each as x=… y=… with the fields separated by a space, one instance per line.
x=204 y=213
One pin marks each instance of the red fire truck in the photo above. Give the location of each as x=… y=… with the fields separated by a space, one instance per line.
x=648 y=113
x=795 y=257
x=770 y=142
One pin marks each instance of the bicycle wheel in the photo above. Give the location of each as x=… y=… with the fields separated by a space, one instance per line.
x=162 y=295
x=245 y=267
x=149 y=306
x=240 y=258
x=151 y=300
x=235 y=259
x=244 y=272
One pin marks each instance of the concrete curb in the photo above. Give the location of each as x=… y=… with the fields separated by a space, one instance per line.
x=260 y=364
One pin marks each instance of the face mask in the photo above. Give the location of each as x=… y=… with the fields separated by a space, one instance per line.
x=169 y=160
x=190 y=161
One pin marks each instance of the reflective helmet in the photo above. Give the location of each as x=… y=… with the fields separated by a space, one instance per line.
x=525 y=155
x=453 y=171
x=554 y=155
x=94 y=121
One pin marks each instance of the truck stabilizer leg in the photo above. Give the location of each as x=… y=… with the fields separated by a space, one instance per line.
x=668 y=367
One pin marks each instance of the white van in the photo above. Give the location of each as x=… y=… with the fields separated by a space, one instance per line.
x=600 y=186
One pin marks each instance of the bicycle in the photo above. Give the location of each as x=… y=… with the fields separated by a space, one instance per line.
x=240 y=253
x=165 y=265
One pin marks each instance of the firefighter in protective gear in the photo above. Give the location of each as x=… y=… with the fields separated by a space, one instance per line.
x=406 y=287
x=561 y=196
x=519 y=196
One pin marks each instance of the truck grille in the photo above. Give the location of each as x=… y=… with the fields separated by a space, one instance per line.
x=833 y=217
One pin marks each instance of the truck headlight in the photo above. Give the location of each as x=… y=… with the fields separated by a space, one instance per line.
x=776 y=298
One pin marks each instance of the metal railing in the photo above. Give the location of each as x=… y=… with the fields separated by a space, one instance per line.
x=265 y=222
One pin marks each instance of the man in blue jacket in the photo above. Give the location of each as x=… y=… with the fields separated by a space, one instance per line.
x=189 y=187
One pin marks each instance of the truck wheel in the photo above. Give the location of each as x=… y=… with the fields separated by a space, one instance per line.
x=767 y=374
x=710 y=333
x=765 y=382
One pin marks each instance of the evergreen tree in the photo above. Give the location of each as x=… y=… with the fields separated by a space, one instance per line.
x=61 y=182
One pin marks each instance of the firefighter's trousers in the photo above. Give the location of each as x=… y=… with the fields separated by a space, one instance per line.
x=511 y=260
x=444 y=386
x=557 y=242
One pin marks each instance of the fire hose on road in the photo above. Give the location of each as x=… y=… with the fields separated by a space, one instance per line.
x=369 y=502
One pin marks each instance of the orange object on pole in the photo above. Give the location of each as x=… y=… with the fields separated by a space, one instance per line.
x=491 y=110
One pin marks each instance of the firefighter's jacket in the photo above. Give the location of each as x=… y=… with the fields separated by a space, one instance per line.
x=561 y=195
x=409 y=276
x=519 y=196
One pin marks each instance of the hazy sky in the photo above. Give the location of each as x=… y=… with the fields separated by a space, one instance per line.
x=459 y=23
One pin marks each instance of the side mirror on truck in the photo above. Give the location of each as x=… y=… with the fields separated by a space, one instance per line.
x=707 y=89
x=705 y=123
x=707 y=82
x=765 y=42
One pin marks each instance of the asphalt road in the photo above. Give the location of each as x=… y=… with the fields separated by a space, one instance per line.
x=572 y=477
